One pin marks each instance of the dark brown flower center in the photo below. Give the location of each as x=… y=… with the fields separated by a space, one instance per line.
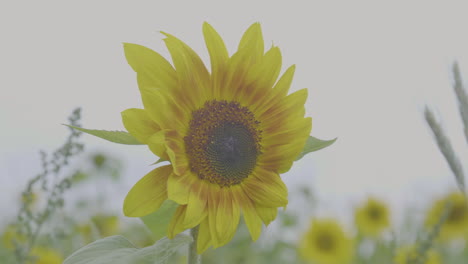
x=325 y=242
x=457 y=213
x=223 y=142
x=374 y=213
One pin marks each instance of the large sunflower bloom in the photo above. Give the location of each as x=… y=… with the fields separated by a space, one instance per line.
x=456 y=222
x=227 y=134
x=372 y=218
x=326 y=243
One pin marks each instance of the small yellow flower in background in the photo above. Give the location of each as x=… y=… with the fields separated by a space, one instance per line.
x=86 y=233
x=228 y=134
x=405 y=254
x=326 y=243
x=45 y=256
x=30 y=198
x=456 y=223
x=372 y=218
x=107 y=225
x=11 y=234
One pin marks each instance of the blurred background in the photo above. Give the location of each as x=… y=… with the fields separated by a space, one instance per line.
x=370 y=69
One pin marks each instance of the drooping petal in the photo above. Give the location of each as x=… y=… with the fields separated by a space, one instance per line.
x=147 y=195
x=139 y=124
x=176 y=226
x=196 y=207
x=213 y=205
x=204 y=237
x=267 y=214
x=266 y=189
x=228 y=214
x=178 y=188
x=252 y=220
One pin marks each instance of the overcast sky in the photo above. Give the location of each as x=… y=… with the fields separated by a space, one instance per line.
x=370 y=69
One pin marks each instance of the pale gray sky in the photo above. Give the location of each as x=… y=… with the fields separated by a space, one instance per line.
x=370 y=68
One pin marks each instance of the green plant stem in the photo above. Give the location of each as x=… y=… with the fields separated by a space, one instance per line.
x=193 y=257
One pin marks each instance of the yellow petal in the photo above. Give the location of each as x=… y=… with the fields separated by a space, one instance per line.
x=147 y=195
x=284 y=83
x=281 y=146
x=292 y=105
x=266 y=189
x=280 y=90
x=267 y=214
x=139 y=124
x=176 y=151
x=213 y=205
x=252 y=41
x=157 y=144
x=218 y=57
x=252 y=220
x=204 y=238
x=227 y=217
x=249 y=53
x=162 y=109
x=178 y=188
x=152 y=69
x=193 y=76
x=266 y=73
x=175 y=226
x=260 y=79
x=196 y=207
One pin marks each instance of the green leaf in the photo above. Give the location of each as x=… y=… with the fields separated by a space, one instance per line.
x=313 y=144
x=158 y=221
x=118 y=250
x=120 y=137
x=159 y=161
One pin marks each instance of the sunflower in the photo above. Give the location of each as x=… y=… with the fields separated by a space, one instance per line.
x=456 y=222
x=227 y=134
x=372 y=217
x=406 y=255
x=326 y=243
x=45 y=256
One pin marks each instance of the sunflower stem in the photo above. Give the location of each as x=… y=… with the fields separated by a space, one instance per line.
x=193 y=257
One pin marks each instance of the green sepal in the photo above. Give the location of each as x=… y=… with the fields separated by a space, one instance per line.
x=120 y=137
x=158 y=221
x=159 y=161
x=313 y=144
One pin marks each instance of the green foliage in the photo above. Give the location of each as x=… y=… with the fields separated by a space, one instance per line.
x=118 y=250
x=313 y=144
x=29 y=222
x=120 y=137
x=442 y=140
x=158 y=221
